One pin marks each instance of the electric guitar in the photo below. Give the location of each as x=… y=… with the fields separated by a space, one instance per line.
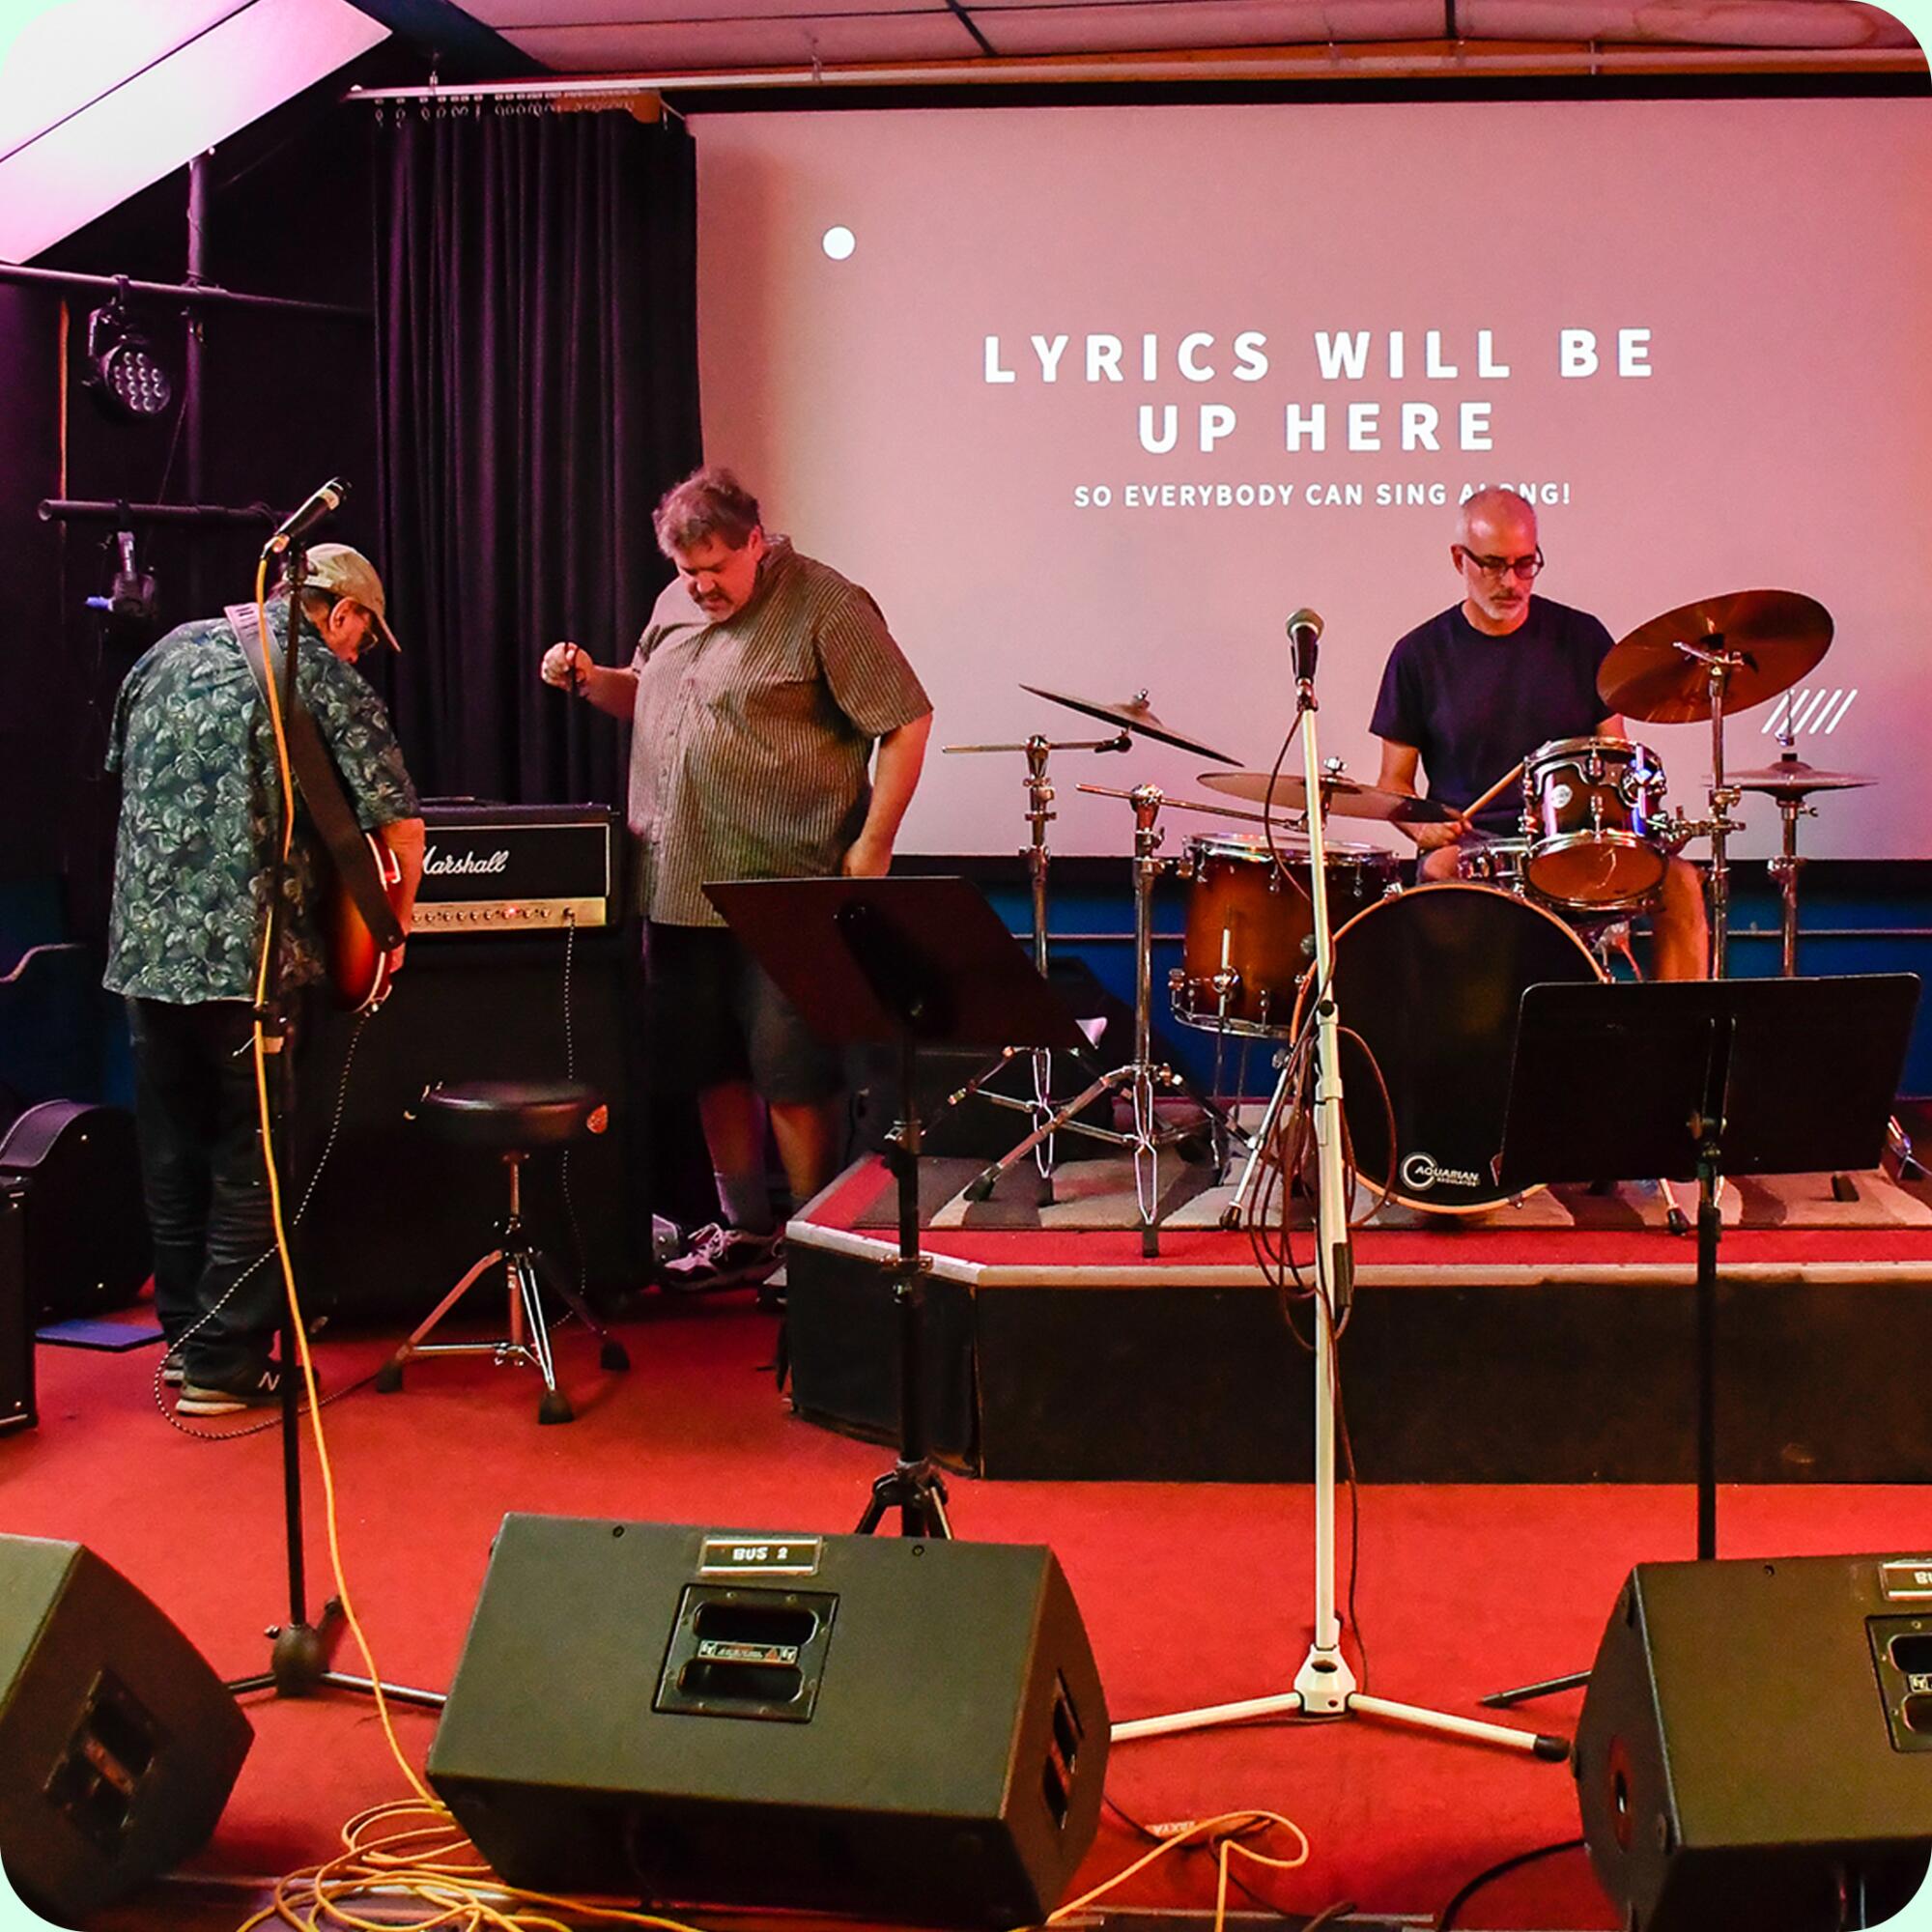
x=358 y=965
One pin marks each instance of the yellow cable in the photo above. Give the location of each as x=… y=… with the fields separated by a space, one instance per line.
x=1226 y=1826
x=311 y=1899
x=277 y=726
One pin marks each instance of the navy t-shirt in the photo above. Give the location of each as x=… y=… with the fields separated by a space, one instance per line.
x=1474 y=704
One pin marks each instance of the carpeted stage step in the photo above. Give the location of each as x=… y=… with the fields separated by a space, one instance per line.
x=1546 y=1343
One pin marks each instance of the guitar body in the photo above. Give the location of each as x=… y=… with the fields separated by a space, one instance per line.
x=359 y=967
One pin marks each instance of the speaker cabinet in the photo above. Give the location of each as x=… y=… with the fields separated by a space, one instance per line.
x=857 y=1725
x=1756 y=1748
x=118 y=1744
x=470 y=1007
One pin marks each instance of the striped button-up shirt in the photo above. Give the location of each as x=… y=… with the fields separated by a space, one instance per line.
x=752 y=740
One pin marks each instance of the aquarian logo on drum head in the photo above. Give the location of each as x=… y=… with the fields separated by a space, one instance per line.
x=1420 y=1172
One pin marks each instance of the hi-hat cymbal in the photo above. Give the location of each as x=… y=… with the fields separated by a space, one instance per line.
x=1134 y=714
x=1776 y=637
x=1793 y=778
x=1343 y=798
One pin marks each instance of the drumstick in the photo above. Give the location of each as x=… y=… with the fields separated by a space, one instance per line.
x=1496 y=790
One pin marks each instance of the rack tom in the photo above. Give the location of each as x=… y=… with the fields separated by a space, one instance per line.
x=1250 y=930
x=1590 y=809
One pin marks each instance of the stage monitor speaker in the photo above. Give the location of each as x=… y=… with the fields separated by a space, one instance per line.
x=868 y=1725
x=1756 y=1748
x=118 y=1744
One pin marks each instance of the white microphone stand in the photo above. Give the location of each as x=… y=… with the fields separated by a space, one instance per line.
x=1325 y=1687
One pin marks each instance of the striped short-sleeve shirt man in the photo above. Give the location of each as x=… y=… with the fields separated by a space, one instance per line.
x=751 y=747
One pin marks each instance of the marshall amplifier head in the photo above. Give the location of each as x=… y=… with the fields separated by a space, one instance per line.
x=519 y=868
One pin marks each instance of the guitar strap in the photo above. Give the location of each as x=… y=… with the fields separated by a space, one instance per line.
x=321 y=787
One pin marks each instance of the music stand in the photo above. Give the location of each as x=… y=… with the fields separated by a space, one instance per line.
x=1686 y=1080
x=907 y=962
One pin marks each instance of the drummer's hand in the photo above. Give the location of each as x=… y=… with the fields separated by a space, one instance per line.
x=1443 y=832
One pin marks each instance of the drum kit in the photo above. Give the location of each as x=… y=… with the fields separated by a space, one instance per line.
x=1431 y=976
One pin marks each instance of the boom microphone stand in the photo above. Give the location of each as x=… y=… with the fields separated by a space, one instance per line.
x=1325 y=1687
x=301 y=1654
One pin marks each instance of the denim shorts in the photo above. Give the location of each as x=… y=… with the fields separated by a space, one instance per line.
x=713 y=1015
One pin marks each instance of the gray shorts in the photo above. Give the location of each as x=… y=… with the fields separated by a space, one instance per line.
x=713 y=1015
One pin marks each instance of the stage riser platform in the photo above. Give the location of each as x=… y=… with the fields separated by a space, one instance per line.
x=1557 y=1382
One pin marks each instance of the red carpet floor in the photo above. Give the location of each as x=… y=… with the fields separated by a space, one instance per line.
x=1193 y=1595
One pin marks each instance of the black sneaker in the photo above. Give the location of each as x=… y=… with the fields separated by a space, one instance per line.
x=722 y=1258
x=256 y=1388
x=174 y=1371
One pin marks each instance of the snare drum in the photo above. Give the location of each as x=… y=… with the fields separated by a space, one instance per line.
x=1495 y=862
x=1251 y=931
x=1588 y=808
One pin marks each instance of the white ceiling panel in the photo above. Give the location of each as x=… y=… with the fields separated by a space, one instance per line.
x=158 y=117
x=1169 y=25
x=689 y=46
x=1748 y=23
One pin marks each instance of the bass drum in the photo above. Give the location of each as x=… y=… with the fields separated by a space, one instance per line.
x=1432 y=980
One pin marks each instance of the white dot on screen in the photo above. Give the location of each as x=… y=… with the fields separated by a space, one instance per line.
x=839 y=243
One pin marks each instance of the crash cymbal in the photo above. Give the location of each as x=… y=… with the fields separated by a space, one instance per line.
x=1777 y=634
x=1793 y=778
x=1343 y=798
x=1134 y=714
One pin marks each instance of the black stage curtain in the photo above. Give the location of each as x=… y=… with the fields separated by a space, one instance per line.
x=537 y=368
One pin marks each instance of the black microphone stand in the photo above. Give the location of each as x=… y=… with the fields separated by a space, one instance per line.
x=301 y=1654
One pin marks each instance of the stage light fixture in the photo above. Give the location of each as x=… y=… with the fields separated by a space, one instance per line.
x=123 y=368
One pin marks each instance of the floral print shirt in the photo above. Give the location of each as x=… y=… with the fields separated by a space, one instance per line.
x=195 y=750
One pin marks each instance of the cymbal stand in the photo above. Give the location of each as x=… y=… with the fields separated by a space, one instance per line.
x=1784 y=865
x=1326 y=1685
x=1720 y=663
x=1040 y=814
x=1142 y=1078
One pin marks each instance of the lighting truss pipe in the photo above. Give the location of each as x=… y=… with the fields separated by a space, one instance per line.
x=188 y=294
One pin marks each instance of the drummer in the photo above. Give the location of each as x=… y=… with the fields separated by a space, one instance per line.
x=1468 y=694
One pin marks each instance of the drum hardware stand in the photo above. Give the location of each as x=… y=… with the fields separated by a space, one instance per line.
x=1784 y=865
x=1671 y=1061
x=1141 y=1077
x=1325 y=1686
x=1719 y=663
x=1039 y=1109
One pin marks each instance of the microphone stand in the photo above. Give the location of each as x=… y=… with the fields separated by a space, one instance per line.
x=301 y=1654
x=1325 y=1686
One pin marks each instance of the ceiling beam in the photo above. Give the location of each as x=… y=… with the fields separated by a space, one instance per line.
x=458 y=45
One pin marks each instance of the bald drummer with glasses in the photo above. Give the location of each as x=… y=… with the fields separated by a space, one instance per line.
x=1483 y=683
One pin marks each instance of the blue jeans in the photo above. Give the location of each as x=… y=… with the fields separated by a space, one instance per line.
x=205 y=1185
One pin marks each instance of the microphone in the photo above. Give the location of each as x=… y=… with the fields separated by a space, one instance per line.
x=1304 y=629
x=324 y=503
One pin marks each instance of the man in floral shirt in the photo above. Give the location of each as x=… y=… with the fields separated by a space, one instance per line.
x=195 y=748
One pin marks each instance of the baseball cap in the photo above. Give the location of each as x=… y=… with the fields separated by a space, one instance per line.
x=345 y=571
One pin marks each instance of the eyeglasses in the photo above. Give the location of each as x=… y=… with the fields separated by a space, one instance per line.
x=1503 y=566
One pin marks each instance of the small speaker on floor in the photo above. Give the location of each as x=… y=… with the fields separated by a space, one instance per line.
x=1756 y=1748
x=118 y=1744
x=869 y=1725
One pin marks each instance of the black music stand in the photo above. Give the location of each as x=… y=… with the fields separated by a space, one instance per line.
x=1692 y=1080
x=909 y=963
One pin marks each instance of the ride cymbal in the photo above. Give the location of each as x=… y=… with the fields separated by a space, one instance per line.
x=1776 y=636
x=1135 y=714
x=1341 y=797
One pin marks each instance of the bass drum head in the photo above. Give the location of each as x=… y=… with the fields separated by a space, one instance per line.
x=1433 y=981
